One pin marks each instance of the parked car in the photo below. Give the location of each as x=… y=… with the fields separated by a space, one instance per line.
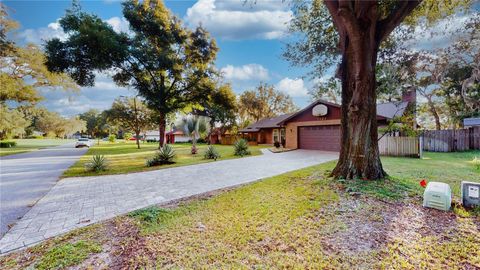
x=83 y=142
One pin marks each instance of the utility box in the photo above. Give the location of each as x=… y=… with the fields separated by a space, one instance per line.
x=437 y=195
x=470 y=194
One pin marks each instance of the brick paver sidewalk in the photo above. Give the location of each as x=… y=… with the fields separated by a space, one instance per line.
x=80 y=201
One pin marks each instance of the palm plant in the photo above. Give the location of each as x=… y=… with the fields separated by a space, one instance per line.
x=98 y=164
x=194 y=125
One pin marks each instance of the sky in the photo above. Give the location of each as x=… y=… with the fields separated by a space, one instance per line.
x=251 y=38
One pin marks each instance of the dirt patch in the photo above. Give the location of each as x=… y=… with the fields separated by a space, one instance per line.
x=365 y=224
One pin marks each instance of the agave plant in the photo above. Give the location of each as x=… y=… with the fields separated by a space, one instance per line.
x=98 y=164
x=164 y=155
x=241 y=148
x=212 y=153
x=194 y=125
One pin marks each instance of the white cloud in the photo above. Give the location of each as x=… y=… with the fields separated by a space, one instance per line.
x=235 y=19
x=40 y=35
x=119 y=24
x=245 y=72
x=53 y=30
x=293 y=87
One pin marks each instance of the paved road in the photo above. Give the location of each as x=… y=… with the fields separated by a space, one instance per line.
x=77 y=202
x=27 y=177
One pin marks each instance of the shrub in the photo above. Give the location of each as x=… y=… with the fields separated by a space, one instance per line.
x=212 y=153
x=476 y=163
x=164 y=155
x=98 y=164
x=7 y=144
x=112 y=138
x=241 y=148
x=194 y=150
x=201 y=140
x=276 y=144
x=127 y=136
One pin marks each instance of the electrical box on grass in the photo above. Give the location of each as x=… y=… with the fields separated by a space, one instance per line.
x=470 y=194
x=437 y=195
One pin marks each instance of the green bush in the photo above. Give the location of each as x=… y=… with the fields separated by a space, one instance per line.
x=7 y=144
x=112 y=138
x=212 y=153
x=127 y=136
x=164 y=155
x=276 y=144
x=98 y=164
x=476 y=163
x=241 y=148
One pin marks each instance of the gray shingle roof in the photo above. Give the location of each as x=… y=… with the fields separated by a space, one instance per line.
x=392 y=109
x=272 y=122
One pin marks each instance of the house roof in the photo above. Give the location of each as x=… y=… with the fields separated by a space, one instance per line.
x=271 y=122
x=309 y=107
x=384 y=110
x=471 y=122
x=392 y=109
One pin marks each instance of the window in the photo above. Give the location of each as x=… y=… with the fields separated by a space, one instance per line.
x=282 y=135
x=275 y=136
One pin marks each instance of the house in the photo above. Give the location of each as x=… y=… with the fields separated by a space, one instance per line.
x=266 y=131
x=170 y=137
x=317 y=126
x=177 y=136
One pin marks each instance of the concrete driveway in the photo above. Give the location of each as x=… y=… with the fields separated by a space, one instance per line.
x=27 y=177
x=77 y=202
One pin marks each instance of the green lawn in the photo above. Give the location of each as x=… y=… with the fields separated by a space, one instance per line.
x=124 y=157
x=27 y=145
x=297 y=220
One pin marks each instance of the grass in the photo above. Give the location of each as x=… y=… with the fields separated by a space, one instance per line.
x=67 y=254
x=302 y=219
x=450 y=168
x=124 y=157
x=27 y=145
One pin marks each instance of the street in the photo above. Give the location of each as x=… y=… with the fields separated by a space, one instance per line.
x=25 y=178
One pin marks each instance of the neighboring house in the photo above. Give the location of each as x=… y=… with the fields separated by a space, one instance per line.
x=315 y=127
x=177 y=136
x=152 y=135
x=471 y=122
x=170 y=137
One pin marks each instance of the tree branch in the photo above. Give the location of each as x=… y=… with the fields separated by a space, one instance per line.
x=332 y=6
x=387 y=25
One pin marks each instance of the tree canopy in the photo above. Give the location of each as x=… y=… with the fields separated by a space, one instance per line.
x=263 y=102
x=160 y=58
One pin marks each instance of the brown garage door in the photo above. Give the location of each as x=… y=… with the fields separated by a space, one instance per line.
x=326 y=138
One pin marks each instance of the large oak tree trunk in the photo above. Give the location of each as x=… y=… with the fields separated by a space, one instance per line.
x=359 y=155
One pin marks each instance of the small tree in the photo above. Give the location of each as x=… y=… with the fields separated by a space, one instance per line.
x=131 y=114
x=264 y=102
x=220 y=106
x=193 y=126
